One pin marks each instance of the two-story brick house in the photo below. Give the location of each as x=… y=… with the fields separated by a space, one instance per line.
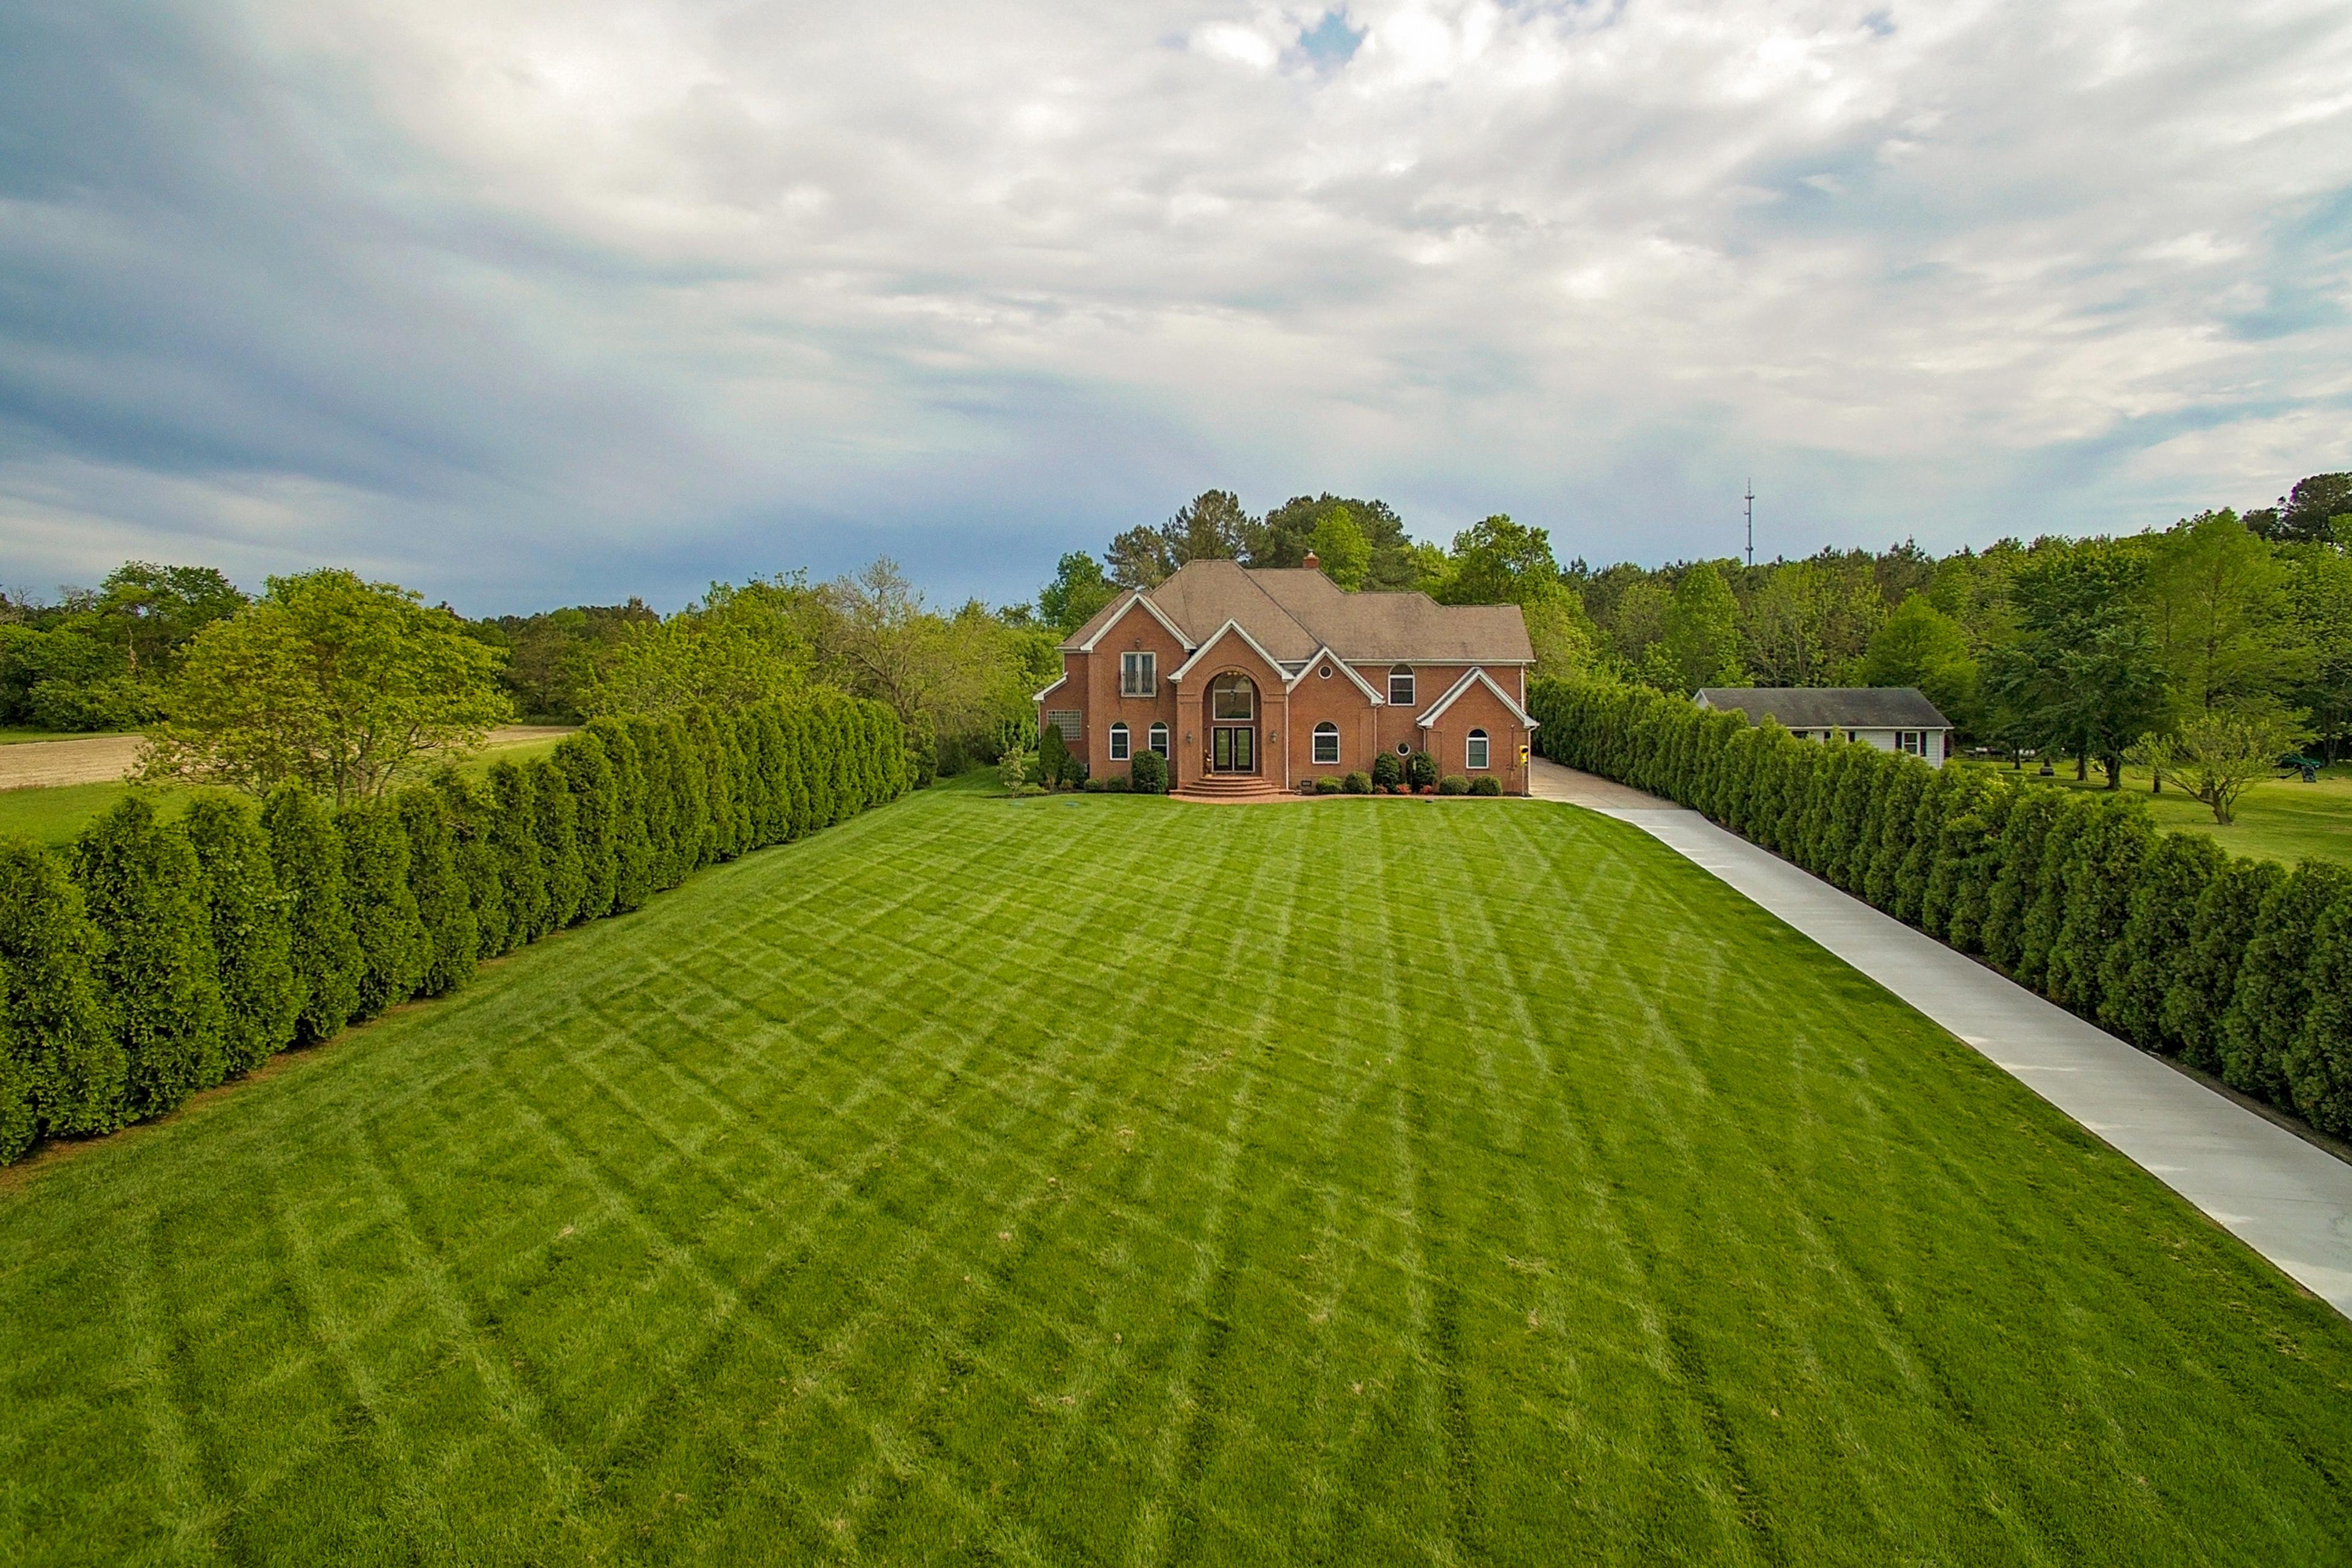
x=1251 y=681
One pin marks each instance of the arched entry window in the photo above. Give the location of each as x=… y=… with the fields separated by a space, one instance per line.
x=1232 y=697
x=1158 y=739
x=1327 y=744
x=1401 y=686
x=1118 y=742
x=1474 y=751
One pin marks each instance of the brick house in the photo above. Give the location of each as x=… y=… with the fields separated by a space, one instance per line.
x=1251 y=681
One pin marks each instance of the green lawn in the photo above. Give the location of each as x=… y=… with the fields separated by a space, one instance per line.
x=11 y=735
x=2281 y=819
x=1102 y=1178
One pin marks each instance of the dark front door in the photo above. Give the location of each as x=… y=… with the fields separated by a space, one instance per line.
x=1233 y=748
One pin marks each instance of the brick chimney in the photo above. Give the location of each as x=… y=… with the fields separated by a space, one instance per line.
x=1312 y=562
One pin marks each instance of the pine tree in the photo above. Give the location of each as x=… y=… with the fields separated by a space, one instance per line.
x=2150 y=955
x=395 y=949
x=2115 y=838
x=453 y=938
x=2319 y=1063
x=633 y=848
x=555 y=832
x=2047 y=911
x=2219 y=935
x=1936 y=792
x=476 y=861
x=155 y=965
x=307 y=853
x=512 y=827
x=250 y=923
x=2273 y=995
x=56 y=1021
x=1976 y=853
x=659 y=803
x=2018 y=881
x=596 y=805
x=1896 y=818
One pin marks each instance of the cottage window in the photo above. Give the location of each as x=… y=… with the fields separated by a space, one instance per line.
x=1908 y=741
x=1157 y=738
x=1138 y=674
x=1232 y=697
x=1474 y=751
x=1118 y=742
x=1327 y=744
x=1401 y=686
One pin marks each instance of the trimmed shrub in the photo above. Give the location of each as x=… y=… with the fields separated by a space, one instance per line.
x=513 y=825
x=2115 y=838
x=2153 y=952
x=1454 y=783
x=250 y=926
x=307 y=853
x=1421 y=771
x=2267 y=1007
x=2319 y=1064
x=70 y=1066
x=1387 y=770
x=1356 y=784
x=394 y=950
x=2018 y=882
x=1329 y=783
x=2037 y=931
x=454 y=941
x=633 y=846
x=1898 y=813
x=155 y=969
x=2220 y=933
x=1148 y=773
x=555 y=835
x=1486 y=784
x=477 y=862
x=595 y=801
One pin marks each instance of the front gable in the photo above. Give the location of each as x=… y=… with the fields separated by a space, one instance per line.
x=1267 y=674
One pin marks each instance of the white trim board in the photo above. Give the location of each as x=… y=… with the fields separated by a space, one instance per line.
x=1476 y=676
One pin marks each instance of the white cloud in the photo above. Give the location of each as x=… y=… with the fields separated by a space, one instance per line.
x=501 y=288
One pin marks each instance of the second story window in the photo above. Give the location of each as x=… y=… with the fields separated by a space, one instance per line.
x=1138 y=674
x=1401 y=686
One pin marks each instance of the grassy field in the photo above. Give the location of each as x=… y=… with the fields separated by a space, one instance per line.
x=11 y=735
x=1107 y=1179
x=2285 y=820
x=54 y=815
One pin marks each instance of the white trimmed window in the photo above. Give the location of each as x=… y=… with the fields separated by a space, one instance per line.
x=1232 y=697
x=1401 y=686
x=1138 y=674
x=1327 y=744
x=1908 y=741
x=1157 y=738
x=1118 y=742
x=1474 y=750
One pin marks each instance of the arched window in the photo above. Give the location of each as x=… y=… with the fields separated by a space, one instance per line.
x=1474 y=751
x=1232 y=697
x=1401 y=686
x=1118 y=742
x=1158 y=734
x=1327 y=744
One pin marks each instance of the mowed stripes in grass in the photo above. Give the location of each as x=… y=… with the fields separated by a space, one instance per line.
x=1105 y=1179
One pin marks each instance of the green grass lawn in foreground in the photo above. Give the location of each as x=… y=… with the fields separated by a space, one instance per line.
x=1107 y=1179
x=2285 y=820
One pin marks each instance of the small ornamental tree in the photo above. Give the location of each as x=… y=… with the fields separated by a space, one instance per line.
x=477 y=862
x=2319 y=1064
x=513 y=830
x=307 y=853
x=555 y=832
x=2266 y=1010
x=440 y=892
x=2221 y=931
x=57 y=1023
x=1053 y=756
x=595 y=801
x=251 y=928
x=156 y=967
x=2155 y=950
x=395 y=949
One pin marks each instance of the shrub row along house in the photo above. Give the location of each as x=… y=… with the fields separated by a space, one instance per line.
x=1252 y=682
x=2237 y=966
x=160 y=958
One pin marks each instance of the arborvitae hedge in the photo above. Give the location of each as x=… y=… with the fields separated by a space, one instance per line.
x=169 y=956
x=68 y=1059
x=251 y=927
x=155 y=970
x=308 y=856
x=2236 y=966
x=395 y=951
x=442 y=902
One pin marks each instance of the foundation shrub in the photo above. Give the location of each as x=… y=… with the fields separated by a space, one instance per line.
x=1454 y=783
x=1486 y=784
x=1148 y=773
x=1329 y=783
x=1388 y=771
x=1421 y=771
x=1357 y=784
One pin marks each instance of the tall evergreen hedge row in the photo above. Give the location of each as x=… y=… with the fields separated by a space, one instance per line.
x=156 y=959
x=2236 y=966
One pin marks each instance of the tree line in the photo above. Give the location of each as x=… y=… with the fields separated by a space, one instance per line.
x=2236 y=966
x=156 y=959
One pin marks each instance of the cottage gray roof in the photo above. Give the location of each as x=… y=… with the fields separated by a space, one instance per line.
x=1828 y=707
x=1294 y=613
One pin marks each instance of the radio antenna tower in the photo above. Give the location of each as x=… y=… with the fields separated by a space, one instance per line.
x=1751 y=522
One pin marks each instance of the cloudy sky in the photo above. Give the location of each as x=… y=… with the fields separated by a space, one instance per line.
x=524 y=302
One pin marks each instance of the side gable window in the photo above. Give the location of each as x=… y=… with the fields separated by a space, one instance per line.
x=1159 y=739
x=1118 y=742
x=1327 y=743
x=1401 y=686
x=1138 y=674
x=1473 y=752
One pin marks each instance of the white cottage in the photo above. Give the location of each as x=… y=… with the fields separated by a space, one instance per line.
x=1891 y=718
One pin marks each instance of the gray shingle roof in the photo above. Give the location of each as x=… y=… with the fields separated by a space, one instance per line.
x=1828 y=707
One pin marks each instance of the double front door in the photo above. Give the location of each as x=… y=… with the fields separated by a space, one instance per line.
x=1233 y=748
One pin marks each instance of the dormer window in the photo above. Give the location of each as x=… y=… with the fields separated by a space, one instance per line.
x=1401 y=686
